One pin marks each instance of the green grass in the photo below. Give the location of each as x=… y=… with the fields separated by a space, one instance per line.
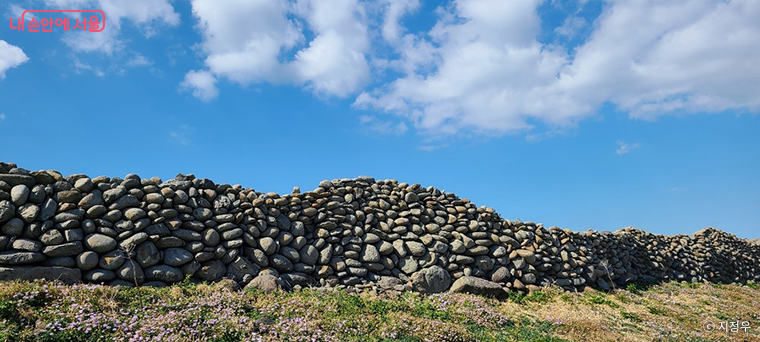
x=600 y=298
x=217 y=312
x=630 y=316
x=656 y=311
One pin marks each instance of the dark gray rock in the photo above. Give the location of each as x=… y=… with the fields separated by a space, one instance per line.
x=177 y=257
x=241 y=268
x=7 y=210
x=112 y=260
x=147 y=254
x=27 y=245
x=99 y=276
x=28 y=212
x=131 y=272
x=211 y=270
x=130 y=243
x=87 y=260
x=63 y=250
x=265 y=283
x=281 y=263
x=433 y=279
x=164 y=273
x=99 y=243
x=13 y=257
x=478 y=286
x=13 y=227
x=29 y=273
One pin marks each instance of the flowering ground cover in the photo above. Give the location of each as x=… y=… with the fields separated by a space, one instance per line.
x=45 y=311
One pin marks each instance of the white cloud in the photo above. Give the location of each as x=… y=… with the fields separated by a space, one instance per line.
x=335 y=61
x=488 y=74
x=201 y=83
x=254 y=41
x=657 y=57
x=16 y=11
x=375 y=125
x=625 y=148
x=481 y=68
x=11 y=56
x=183 y=135
x=570 y=27
x=145 y=14
x=79 y=67
x=395 y=9
x=2 y=117
x=139 y=60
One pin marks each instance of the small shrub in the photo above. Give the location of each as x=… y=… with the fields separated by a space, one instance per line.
x=631 y=316
x=538 y=297
x=516 y=297
x=656 y=311
x=601 y=299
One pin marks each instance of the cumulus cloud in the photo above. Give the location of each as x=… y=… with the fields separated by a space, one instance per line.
x=138 y=60
x=182 y=135
x=571 y=26
x=656 y=57
x=481 y=68
x=395 y=10
x=625 y=148
x=376 y=125
x=145 y=14
x=80 y=67
x=201 y=83
x=488 y=71
x=258 y=41
x=11 y=56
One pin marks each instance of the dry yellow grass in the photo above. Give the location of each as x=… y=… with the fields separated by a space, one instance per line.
x=667 y=312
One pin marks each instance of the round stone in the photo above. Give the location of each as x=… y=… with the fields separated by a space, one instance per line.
x=416 y=248
x=87 y=260
x=268 y=245
x=13 y=227
x=19 y=194
x=210 y=237
x=147 y=254
x=177 y=256
x=211 y=270
x=309 y=255
x=112 y=260
x=164 y=273
x=7 y=210
x=281 y=263
x=100 y=243
x=134 y=214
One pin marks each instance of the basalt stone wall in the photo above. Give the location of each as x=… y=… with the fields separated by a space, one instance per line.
x=345 y=232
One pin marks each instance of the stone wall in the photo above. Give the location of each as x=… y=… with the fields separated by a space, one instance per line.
x=346 y=232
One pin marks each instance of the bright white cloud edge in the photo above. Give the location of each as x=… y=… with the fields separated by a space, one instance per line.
x=11 y=56
x=490 y=74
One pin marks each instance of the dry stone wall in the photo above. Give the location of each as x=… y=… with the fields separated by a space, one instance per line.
x=347 y=232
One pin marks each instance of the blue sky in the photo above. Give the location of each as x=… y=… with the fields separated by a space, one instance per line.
x=579 y=114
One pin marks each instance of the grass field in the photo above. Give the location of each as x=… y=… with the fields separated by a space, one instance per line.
x=43 y=311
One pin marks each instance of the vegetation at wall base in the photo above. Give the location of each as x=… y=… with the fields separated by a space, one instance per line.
x=51 y=311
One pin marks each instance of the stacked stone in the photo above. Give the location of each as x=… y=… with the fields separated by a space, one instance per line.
x=347 y=232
